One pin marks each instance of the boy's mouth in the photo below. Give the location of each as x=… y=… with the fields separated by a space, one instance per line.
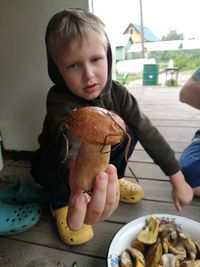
x=90 y=88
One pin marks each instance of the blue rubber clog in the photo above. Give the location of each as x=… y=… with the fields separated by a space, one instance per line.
x=23 y=191
x=18 y=218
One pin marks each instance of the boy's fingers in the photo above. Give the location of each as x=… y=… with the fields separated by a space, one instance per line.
x=98 y=198
x=178 y=206
x=76 y=212
x=112 y=197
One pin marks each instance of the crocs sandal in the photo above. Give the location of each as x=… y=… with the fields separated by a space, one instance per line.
x=23 y=191
x=68 y=236
x=130 y=192
x=15 y=219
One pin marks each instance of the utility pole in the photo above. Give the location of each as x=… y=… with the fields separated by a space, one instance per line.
x=142 y=30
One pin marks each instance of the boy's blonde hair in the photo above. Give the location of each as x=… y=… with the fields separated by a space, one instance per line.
x=74 y=24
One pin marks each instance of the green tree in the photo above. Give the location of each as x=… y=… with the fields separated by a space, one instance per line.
x=172 y=35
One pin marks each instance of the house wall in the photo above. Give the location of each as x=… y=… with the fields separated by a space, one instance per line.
x=136 y=37
x=128 y=45
x=120 y=53
x=23 y=70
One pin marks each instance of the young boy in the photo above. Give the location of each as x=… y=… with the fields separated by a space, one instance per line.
x=79 y=64
x=190 y=159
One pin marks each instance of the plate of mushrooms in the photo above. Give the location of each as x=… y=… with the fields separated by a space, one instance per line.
x=157 y=240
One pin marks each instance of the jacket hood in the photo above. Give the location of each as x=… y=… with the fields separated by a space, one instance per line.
x=53 y=71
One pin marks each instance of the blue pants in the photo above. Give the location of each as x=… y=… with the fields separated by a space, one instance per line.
x=45 y=171
x=190 y=161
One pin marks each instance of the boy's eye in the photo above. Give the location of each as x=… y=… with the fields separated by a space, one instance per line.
x=72 y=66
x=96 y=59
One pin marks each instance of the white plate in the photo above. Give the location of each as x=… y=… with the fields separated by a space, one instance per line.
x=128 y=232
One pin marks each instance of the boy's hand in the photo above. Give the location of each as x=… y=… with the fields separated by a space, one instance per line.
x=182 y=193
x=102 y=202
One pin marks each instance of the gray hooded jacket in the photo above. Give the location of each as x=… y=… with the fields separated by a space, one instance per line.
x=115 y=97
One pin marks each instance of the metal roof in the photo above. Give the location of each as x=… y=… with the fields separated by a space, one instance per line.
x=148 y=34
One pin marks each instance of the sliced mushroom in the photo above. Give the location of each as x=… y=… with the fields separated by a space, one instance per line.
x=189 y=245
x=190 y=263
x=168 y=232
x=138 y=256
x=131 y=257
x=198 y=250
x=150 y=233
x=165 y=246
x=196 y=263
x=138 y=245
x=153 y=255
x=170 y=260
x=125 y=259
x=197 y=246
x=178 y=250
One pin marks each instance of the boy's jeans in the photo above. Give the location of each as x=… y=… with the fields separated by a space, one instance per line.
x=190 y=161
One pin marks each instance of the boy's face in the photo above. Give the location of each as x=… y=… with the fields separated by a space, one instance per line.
x=84 y=68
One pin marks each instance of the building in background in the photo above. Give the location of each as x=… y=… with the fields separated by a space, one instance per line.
x=131 y=36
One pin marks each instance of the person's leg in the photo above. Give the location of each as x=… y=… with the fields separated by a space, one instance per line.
x=129 y=192
x=117 y=156
x=45 y=172
x=190 y=163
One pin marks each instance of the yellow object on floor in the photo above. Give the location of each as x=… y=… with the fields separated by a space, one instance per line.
x=130 y=192
x=68 y=236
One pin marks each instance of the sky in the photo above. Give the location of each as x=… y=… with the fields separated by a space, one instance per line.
x=158 y=15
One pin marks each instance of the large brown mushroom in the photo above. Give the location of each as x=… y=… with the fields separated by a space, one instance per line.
x=98 y=129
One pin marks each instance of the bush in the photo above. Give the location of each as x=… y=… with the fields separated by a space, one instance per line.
x=184 y=59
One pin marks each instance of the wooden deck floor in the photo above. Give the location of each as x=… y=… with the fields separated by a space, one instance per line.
x=40 y=246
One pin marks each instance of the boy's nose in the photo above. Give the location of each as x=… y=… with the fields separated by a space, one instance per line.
x=88 y=72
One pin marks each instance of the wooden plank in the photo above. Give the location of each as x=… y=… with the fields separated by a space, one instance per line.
x=24 y=254
x=42 y=239
x=173 y=134
x=142 y=156
x=173 y=122
x=145 y=170
x=41 y=246
x=17 y=163
x=163 y=103
x=44 y=233
x=128 y=212
x=168 y=113
x=176 y=146
x=156 y=190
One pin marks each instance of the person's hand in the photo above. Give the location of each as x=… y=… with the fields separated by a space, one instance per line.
x=98 y=206
x=182 y=193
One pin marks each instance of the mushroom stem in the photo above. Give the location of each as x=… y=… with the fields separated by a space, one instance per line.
x=89 y=162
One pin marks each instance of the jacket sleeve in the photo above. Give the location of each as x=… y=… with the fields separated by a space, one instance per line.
x=147 y=134
x=58 y=107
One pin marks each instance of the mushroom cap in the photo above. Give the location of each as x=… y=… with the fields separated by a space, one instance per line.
x=96 y=125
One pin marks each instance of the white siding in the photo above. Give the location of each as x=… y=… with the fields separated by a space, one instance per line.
x=23 y=70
